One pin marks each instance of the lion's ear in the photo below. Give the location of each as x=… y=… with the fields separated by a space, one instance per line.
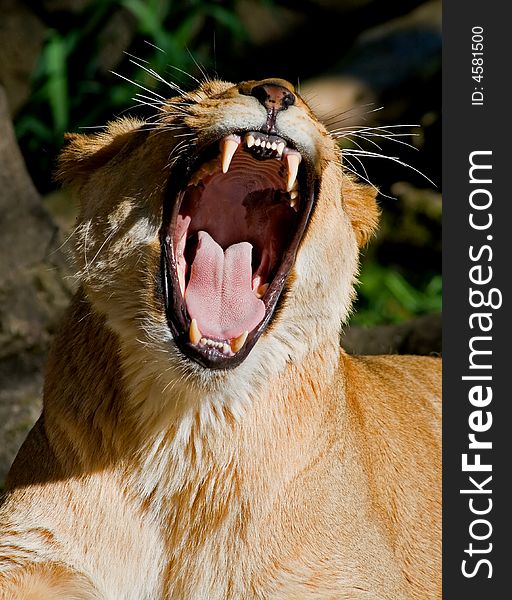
x=83 y=154
x=361 y=206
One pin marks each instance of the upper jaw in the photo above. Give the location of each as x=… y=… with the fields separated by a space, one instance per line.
x=300 y=185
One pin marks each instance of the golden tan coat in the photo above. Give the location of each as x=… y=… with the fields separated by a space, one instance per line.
x=302 y=473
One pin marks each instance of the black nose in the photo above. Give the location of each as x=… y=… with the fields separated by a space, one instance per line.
x=273 y=97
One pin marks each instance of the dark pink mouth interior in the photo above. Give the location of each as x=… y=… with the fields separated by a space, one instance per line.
x=231 y=233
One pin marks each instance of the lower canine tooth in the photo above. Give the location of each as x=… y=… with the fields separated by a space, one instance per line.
x=237 y=343
x=229 y=147
x=260 y=292
x=194 y=335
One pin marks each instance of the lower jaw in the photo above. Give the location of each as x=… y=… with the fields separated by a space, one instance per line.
x=179 y=322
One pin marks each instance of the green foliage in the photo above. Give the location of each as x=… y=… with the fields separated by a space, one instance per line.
x=385 y=296
x=69 y=83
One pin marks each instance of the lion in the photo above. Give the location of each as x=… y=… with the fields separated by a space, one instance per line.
x=203 y=436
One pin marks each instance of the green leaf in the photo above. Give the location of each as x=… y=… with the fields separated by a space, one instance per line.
x=55 y=56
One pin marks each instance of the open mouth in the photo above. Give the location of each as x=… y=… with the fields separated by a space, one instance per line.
x=229 y=240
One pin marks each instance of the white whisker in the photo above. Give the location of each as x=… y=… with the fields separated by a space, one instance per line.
x=139 y=85
x=185 y=73
x=395 y=159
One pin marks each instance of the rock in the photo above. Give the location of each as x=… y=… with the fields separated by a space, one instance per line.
x=422 y=336
x=21 y=40
x=34 y=290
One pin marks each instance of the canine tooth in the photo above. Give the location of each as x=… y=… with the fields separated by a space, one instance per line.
x=257 y=142
x=260 y=292
x=194 y=335
x=237 y=343
x=229 y=147
x=293 y=161
x=249 y=140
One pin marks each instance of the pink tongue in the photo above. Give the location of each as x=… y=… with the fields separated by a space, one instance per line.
x=219 y=294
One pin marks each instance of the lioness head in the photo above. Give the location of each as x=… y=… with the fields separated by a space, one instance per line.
x=223 y=234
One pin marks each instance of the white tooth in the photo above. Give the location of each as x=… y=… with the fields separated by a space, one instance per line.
x=260 y=292
x=181 y=280
x=269 y=145
x=294 y=193
x=229 y=147
x=194 y=335
x=226 y=349
x=280 y=147
x=257 y=142
x=237 y=343
x=274 y=146
x=249 y=140
x=202 y=341
x=293 y=161
x=256 y=282
x=293 y=204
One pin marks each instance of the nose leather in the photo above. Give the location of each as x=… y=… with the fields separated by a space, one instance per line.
x=273 y=97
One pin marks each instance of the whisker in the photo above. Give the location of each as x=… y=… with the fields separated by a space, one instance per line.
x=93 y=127
x=350 y=135
x=185 y=73
x=107 y=239
x=368 y=136
x=135 y=57
x=201 y=69
x=144 y=103
x=366 y=179
x=331 y=122
x=384 y=128
x=154 y=46
x=138 y=85
x=353 y=170
x=160 y=102
x=395 y=159
x=334 y=114
x=174 y=86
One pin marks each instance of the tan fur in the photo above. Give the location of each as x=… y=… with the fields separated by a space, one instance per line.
x=302 y=473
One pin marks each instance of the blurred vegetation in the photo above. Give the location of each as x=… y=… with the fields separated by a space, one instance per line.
x=73 y=87
x=73 y=73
